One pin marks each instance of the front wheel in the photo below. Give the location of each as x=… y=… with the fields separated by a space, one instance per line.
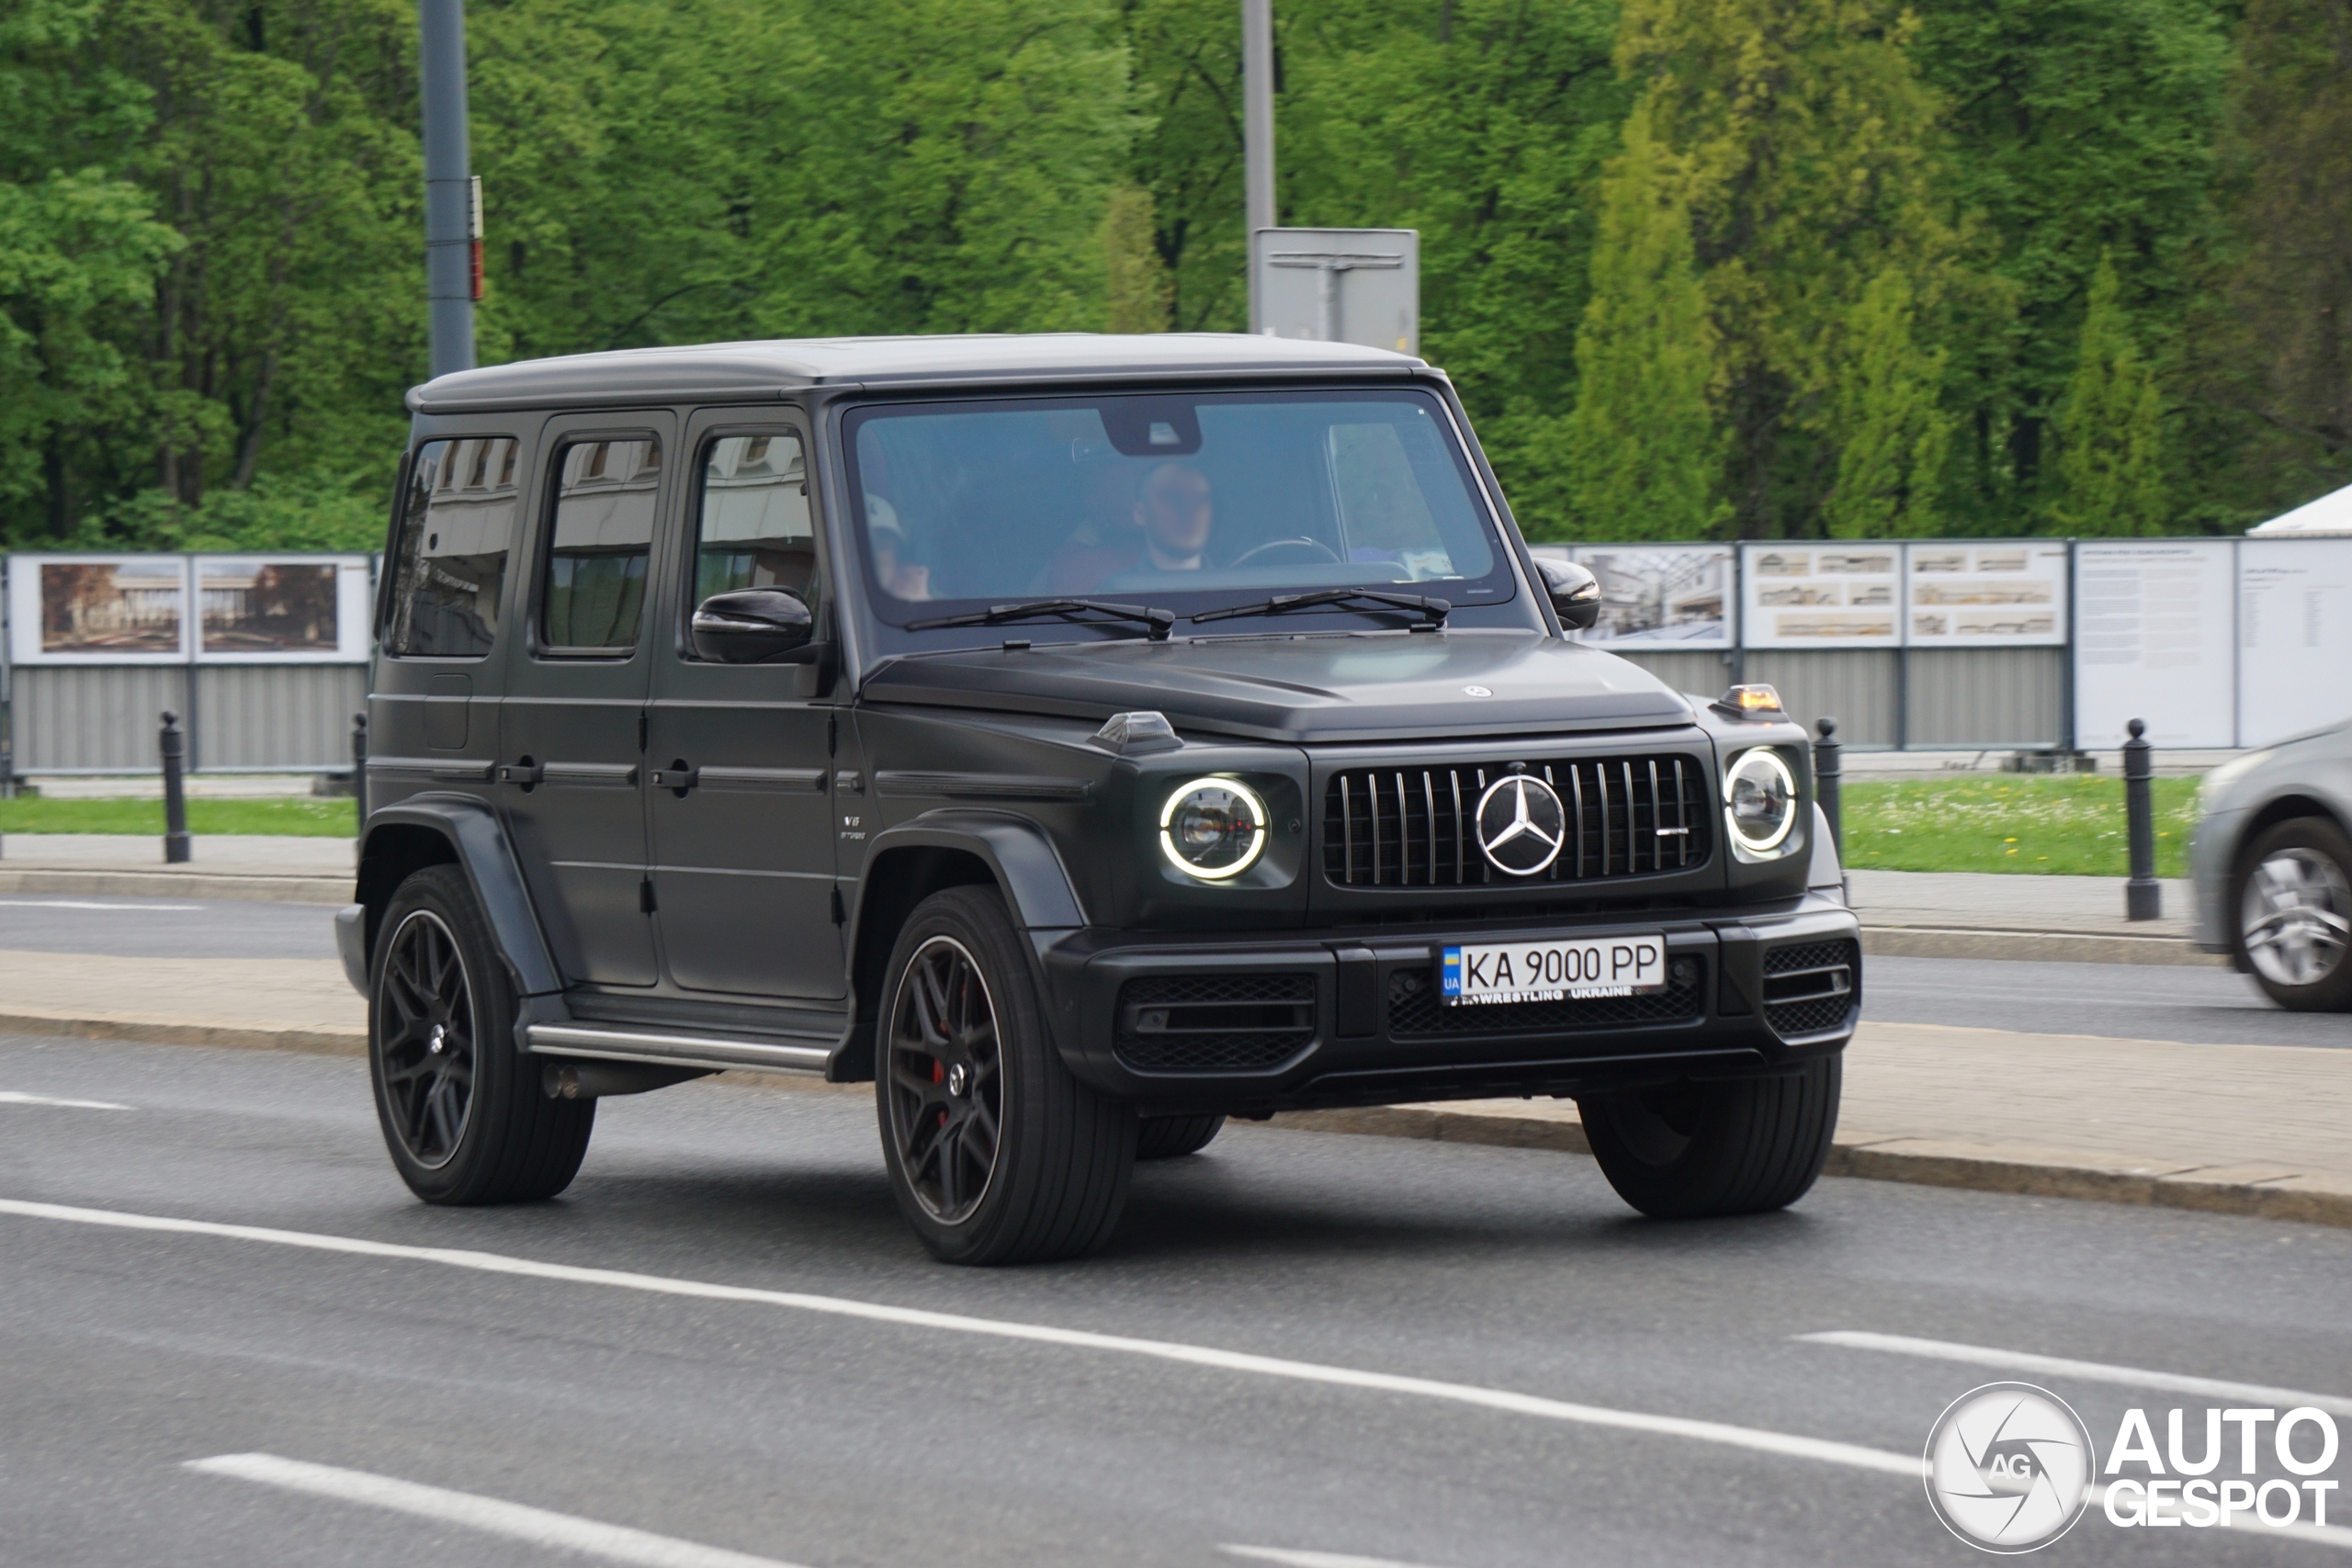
x=462 y=1110
x=1173 y=1137
x=996 y=1154
x=2294 y=900
x=1724 y=1147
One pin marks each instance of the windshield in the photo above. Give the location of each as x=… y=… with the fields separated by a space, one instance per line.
x=1189 y=502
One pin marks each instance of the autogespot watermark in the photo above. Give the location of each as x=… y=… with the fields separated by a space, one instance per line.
x=2010 y=1468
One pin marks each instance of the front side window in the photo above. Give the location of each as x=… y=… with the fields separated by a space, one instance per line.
x=753 y=529
x=449 y=558
x=599 y=543
x=1190 y=502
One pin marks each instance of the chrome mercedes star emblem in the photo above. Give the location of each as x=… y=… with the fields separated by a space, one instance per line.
x=1522 y=824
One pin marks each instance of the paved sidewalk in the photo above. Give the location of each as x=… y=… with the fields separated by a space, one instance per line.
x=271 y=867
x=2246 y=1129
x=1962 y=914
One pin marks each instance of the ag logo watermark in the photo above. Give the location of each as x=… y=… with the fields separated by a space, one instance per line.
x=2009 y=1467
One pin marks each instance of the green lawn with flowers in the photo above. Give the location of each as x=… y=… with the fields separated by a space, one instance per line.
x=2067 y=824
x=300 y=816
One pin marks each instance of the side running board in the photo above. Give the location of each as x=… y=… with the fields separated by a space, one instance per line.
x=713 y=1052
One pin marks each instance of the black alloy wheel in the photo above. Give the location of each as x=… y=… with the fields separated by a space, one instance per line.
x=465 y=1113
x=996 y=1152
x=946 y=1092
x=427 y=1028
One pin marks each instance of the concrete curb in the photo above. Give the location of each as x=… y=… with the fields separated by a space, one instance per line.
x=2062 y=947
x=2267 y=1193
x=258 y=889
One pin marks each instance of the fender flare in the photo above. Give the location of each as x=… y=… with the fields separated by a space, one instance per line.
x=1020 y=858
x=1826 y=870
x=472 y=829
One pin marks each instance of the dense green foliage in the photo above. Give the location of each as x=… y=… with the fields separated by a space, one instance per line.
x=1840 y=268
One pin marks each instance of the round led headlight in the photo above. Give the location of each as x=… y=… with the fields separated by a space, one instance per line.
x=1760 y=800
x=1213 y=829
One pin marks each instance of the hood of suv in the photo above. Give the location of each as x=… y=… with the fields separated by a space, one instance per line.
x=1391 y=686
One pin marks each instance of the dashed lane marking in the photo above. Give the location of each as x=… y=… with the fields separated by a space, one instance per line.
x=516 y=1521
x=2094 y=1371
x=1786 y=1445
x=13 y=1096
x=1291 y=1559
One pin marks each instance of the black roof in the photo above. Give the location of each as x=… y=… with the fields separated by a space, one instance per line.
x=750 y=371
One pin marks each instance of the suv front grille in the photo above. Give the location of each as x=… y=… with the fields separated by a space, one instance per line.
x=1810 y=989
x=1414 y=1007
x=1416 y=826
x=1213 y=1023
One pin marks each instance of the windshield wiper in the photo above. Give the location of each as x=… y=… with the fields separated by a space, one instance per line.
x=1432 y=611
x=1157 y=623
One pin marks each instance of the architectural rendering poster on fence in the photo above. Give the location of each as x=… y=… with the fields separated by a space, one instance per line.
x=1662 y=595
x=2294 y=636
x=2155 y=640
x=1967 y=594
x=282 y=610
x=1840 y=595
x=136 y=609
x=97 y=609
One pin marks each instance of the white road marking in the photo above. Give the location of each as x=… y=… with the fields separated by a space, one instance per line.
x=2095 y=1372
x=540 y=1527
x=1291 y=1559
x=13 y=1096
x=82 y=904
x=1784 y=1444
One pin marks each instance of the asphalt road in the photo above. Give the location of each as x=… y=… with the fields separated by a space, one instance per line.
x=803 y=1429
x=2199 y=1005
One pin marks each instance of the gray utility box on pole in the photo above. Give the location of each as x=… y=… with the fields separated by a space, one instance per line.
x=1361 y=286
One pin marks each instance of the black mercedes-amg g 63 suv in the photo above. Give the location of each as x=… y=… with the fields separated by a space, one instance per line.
x=1083 y=739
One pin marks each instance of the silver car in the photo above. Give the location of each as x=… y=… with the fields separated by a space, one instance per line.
x=2272 y=857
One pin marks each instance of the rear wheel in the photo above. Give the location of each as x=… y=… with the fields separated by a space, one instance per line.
x=2294 y=901
x=1729 y=1147
x=996 y=1154
x=1172 y=1137
x=462 y=1112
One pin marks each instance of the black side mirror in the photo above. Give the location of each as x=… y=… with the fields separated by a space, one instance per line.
x=1575 y=592
x=754 y=625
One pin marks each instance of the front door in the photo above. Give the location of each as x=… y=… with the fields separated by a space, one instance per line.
x=741 y=815
x=571 y=738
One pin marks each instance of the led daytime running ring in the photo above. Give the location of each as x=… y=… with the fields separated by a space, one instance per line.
x=1257 y=808
x=1772 y=759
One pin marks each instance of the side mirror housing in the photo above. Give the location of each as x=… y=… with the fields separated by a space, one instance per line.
x=754 y=625
x=1575 y=592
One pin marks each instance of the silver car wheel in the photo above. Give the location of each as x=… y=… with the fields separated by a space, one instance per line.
x=2296 y=917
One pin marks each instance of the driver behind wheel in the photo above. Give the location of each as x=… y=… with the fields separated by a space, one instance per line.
x=1175 y=511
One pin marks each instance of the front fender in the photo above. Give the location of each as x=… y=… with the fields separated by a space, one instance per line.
x=479 y=845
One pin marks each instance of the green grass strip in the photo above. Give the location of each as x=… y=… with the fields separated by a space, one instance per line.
x=306 y=818
x=2067 y=824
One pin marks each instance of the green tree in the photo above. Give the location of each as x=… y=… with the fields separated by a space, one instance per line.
x=1643 y=451
x=2110 y=427
x=1808 y=141
x=1139 y=289
x=1893 y=433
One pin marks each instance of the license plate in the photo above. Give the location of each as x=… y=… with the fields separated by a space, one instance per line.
x=1552 y=971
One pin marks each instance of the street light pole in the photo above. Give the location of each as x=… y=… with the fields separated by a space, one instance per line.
x=452 y=198
x=1256 y=131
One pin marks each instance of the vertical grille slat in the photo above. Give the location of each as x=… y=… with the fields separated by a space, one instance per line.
x=1417 y=827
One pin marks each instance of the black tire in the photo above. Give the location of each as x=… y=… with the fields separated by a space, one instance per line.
x=1173 y=1137
x=462 y=1110
x=1727 y=1147
x=996 y=1154
x=2290 y=904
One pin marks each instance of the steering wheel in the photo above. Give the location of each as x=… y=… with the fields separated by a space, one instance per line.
x=1302 y=549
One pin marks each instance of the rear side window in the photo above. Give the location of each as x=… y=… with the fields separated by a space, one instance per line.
x=602 y=536
x=449 y=560
x=753 y=529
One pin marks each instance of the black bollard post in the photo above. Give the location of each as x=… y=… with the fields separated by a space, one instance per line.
x=1827 y=771
x=2144 y=896
x=359 y=763
x=174 y=748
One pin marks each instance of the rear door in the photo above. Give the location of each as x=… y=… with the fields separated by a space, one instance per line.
x=571 y=740
x=744 y=844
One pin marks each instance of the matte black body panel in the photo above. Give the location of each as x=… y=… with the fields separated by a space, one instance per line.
x=472 y=828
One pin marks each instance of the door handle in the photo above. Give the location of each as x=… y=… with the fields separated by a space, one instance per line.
x=526 y=773
x=676 y=777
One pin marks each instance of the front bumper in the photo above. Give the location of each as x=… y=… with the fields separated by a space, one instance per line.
x=1254 y=1023
x=2212 y=848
